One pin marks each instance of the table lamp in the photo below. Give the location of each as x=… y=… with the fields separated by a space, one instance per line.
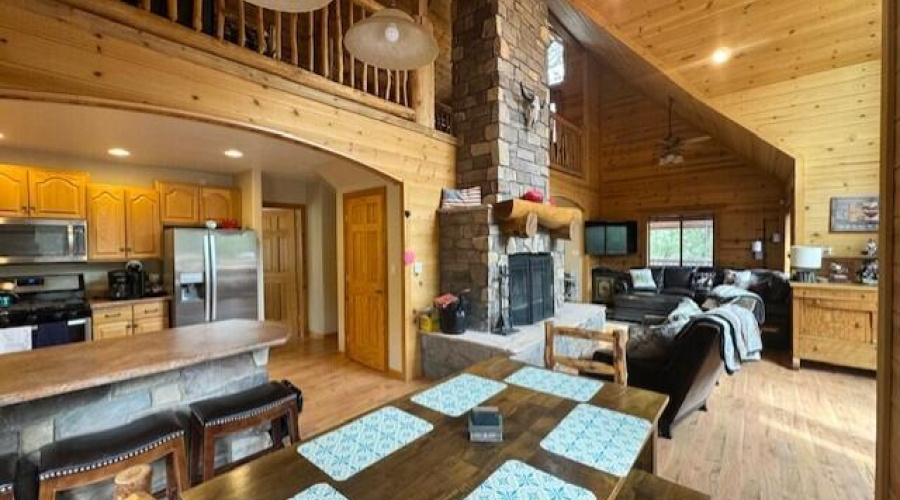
x=806 y=261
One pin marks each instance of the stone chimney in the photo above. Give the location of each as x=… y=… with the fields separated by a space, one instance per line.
x=499 y=48
x=499 y=51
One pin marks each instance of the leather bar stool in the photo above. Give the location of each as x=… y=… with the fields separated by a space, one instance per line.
x=8 y=477
x=85 y=460
x=277 y=403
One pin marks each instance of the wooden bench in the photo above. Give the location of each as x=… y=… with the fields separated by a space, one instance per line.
x=643 y=486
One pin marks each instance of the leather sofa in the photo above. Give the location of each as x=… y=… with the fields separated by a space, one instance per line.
x=687 y=375
x=676 y=283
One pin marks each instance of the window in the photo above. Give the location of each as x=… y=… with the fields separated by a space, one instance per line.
x=556 y=62
x=681 y=241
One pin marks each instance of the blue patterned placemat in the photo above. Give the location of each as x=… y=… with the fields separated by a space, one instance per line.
x=599 y=438
x=459 y=394
x=344 y=452
x=516 y=480
x=557 y=384
x=320 y=492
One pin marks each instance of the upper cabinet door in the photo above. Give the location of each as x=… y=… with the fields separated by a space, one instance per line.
x=13 y=191
x=220 y=204
x=106 y=223
x=179 y=204
x=142 y=222
x=57 y=195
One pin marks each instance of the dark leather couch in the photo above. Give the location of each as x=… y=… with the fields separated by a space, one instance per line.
x=676 y=283
x=688 y=375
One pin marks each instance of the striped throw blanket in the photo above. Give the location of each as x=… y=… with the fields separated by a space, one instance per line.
x=453 y=198
x=741 y=339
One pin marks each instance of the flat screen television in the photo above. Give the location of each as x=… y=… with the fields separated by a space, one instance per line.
x=610 y=238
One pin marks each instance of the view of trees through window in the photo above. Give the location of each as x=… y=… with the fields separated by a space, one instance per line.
x=681 y=242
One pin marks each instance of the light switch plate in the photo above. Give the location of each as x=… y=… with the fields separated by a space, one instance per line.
x=417 y=268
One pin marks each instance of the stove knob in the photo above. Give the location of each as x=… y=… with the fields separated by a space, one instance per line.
x=72 y=314
x=31 y=319
x=58 y=316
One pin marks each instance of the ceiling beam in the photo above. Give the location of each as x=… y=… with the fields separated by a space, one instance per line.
x=641 y=69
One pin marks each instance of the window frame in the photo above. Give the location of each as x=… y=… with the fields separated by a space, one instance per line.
x=681 y=219
x=556 y=39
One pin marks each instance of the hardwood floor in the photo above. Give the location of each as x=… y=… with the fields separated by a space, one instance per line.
x=771 y=433
x=335 y=389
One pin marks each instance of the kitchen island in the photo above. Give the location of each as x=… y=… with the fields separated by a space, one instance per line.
x=52 y=394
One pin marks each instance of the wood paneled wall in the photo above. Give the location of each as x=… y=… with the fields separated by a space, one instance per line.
x=714 y=181
x=71 y=56
x=831 y=119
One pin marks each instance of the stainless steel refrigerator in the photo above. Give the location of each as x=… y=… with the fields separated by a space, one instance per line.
x=212 y=275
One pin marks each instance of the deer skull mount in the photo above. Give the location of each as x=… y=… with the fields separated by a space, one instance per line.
x=531 y=106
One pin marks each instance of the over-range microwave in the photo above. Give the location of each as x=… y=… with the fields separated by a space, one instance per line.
x=30 y=241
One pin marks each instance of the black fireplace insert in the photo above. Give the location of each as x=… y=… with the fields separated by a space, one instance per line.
x=531 y=297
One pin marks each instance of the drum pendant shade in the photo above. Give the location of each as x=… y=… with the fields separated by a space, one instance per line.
x=292 y=6
x=391 y=39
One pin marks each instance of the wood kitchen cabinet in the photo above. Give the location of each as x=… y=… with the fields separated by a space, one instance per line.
x=122 y=319
x=123 y=223
x=836 y=324
x=13 y=191
x=220 y=204
x=192 y=205
x=48 y=194
x=179 y=204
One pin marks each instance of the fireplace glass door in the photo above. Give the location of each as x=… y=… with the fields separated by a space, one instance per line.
x=530 y=288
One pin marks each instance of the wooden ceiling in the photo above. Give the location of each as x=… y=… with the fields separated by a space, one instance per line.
x=772 y=40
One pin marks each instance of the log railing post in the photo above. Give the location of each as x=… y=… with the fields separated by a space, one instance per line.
x=220 y=19
x=324 y=45
x=422 y=80
x=198 y=15
x=295 y=43
x=172 y=10
x=242 y=23
x=261 y=30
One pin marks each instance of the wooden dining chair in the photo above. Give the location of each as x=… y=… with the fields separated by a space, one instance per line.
x=612 y=334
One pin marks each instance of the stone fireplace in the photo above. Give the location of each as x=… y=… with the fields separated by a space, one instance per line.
x=499 y=54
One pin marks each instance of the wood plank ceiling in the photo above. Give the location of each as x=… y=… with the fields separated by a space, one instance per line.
x=805 y=76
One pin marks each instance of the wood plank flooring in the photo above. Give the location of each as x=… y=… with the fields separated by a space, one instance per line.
x=771 y=433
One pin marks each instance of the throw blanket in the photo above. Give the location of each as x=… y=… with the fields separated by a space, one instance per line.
x=730 y=294
x=741 y=339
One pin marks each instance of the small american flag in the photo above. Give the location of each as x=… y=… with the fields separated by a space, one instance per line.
x=470 y=197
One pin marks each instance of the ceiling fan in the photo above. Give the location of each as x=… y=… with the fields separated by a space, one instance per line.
x=672 y=148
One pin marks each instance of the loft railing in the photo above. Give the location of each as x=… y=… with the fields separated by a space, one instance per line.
x=307 y=48
x=566 y=146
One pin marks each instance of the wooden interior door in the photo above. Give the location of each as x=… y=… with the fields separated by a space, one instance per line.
x=365 y=274
x=106 y=223
x=13 y=191
x=280 y=267
x=144 y=240
x=57 y=195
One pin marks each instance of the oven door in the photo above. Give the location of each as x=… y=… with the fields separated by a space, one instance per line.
x=27 y=241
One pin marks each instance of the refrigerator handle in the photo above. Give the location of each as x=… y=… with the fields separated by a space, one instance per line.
x=207 y=278
x=214 y=272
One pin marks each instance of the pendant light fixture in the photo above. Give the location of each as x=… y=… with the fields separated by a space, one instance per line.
x=292 y=6
x=391 y=39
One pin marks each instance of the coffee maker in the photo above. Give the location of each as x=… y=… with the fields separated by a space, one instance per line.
x=128 y=284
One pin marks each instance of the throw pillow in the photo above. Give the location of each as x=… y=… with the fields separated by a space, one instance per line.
x=743 y=279
x=642 y=280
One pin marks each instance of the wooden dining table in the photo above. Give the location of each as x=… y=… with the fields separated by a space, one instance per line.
x=444 y=464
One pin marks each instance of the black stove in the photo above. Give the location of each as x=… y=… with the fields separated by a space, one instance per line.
x=54 y=307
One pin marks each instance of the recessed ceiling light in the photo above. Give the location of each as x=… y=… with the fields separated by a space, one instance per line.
x=234 y=154
x=722 y=55
x=119 y=152
x=2 y=136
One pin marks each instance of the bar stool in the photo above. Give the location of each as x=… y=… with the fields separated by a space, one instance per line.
x=85 y=460
x=278 y=403
x=8 y=477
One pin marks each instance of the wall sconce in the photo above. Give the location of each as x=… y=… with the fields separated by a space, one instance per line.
x=776 y=237
x=757 y=249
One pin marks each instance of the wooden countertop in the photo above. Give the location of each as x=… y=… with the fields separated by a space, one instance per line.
x=31 y=375
x=853 y=287
x=103 y=302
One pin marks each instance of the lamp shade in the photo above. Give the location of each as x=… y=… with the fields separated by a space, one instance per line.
x=806 y=258
x=391 y=39
x=756 y=247
x=291 y=5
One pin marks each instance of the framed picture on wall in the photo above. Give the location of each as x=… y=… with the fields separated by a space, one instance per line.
x=855 y=214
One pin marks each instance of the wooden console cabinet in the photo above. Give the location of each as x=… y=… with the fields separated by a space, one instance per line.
x=836 y=324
